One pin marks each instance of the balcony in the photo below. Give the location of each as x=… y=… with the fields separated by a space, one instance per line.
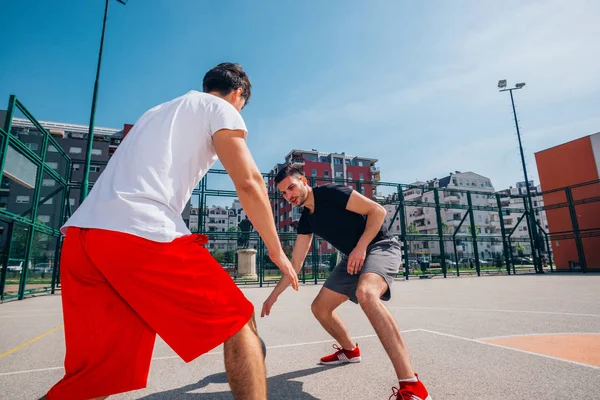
x=452 y=199
x=297 y=161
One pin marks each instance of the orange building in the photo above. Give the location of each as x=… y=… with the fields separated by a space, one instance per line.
x=575 y=164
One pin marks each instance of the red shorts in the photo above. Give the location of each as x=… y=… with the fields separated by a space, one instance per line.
x=119 y=291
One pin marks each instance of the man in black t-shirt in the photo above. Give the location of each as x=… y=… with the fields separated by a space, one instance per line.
x=353 y=224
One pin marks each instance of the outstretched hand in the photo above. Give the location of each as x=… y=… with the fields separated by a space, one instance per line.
x=267 y=305
x=284 y=264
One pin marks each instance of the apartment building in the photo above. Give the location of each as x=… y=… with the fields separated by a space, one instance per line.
x=219 y=219
x=422 y=219
x=513 y=203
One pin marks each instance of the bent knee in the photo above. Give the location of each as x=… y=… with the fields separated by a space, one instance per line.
x=320 y=309
x=366 y=294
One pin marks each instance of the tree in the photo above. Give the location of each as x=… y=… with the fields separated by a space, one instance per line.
x=229 y=256
x=233 y=229
x=445 y=228
x=218 y=255
x=477 y=230
x=520 y=250
x=412 y=229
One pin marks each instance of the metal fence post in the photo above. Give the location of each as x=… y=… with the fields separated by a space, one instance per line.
x=505 y=247
x=6 y=250
x=474 y=233
x=438 y=212
x=402 y=211
x=575 y=225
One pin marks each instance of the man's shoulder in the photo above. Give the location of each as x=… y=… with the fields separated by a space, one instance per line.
x=332 y=188
x=329 y=186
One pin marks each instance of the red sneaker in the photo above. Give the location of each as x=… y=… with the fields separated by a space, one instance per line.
x=410 y=391
x=342 y=356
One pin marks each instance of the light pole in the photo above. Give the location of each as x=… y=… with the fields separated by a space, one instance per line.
x=90 y=140
x=531 y=216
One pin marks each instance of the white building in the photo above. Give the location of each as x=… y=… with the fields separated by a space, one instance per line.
x=219 y=219
x=423 y=218
x=514 y=207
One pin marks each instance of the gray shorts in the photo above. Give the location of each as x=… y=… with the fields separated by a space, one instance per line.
x=383 y=258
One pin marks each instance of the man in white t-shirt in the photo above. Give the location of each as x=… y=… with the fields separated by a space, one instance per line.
x=131 y=269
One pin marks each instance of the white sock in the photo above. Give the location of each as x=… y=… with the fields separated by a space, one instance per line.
x=413 y=379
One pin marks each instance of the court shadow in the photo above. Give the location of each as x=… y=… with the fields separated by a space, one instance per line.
x=279 y=387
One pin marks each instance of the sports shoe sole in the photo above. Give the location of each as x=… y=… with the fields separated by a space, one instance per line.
x=350 y=361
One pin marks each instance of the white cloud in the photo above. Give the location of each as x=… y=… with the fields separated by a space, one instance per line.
x=452 y=117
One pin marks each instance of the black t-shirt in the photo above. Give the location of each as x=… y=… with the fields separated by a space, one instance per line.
x=332 y=222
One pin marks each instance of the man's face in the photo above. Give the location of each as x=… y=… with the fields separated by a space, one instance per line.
x=294 y=189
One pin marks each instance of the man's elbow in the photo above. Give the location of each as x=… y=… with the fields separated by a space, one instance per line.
x=250 y=185
x=380 y=211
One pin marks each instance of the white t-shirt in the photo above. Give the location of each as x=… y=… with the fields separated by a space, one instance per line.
x=150 y=177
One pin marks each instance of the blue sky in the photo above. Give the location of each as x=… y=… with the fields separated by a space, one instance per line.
x=412 y=84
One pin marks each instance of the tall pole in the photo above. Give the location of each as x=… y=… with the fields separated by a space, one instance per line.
x=88 y=155
x=531 y=215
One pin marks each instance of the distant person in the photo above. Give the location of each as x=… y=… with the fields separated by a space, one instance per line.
x=130 y=267
x=353 y=224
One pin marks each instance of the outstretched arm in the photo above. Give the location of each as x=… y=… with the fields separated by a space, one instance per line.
x=300 y=250
x=235 y=156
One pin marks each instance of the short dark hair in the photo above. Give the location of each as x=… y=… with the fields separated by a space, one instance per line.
x=286 y=171
x=226 y=77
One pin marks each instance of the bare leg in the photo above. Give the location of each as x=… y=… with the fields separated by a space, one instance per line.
x=245 y=365
x=323 y=308
x=370 y=288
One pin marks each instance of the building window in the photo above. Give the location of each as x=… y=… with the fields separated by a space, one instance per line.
x=360 y=163
x=22 y=199
x=362 y=177
x=339 y=174
x=337 y=160
x=94 y=169
x=49 y=201
x=48 y=182
x=350 y=175
x=96 y=152
x=326 y=174
x=52 y=149
x=72 y=201
x=52 y=165
x=75 y=150
x=314 y=172
x=32 y=146
x=44 y=218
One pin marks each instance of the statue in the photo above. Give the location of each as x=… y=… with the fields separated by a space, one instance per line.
x=245 y=226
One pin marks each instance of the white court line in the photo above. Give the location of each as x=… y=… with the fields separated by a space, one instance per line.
x=28 y=311
x=538 y=334
x=280 y=346
x=29 y=315
x=494 y=310
x=511 y=348
x=213 y=352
